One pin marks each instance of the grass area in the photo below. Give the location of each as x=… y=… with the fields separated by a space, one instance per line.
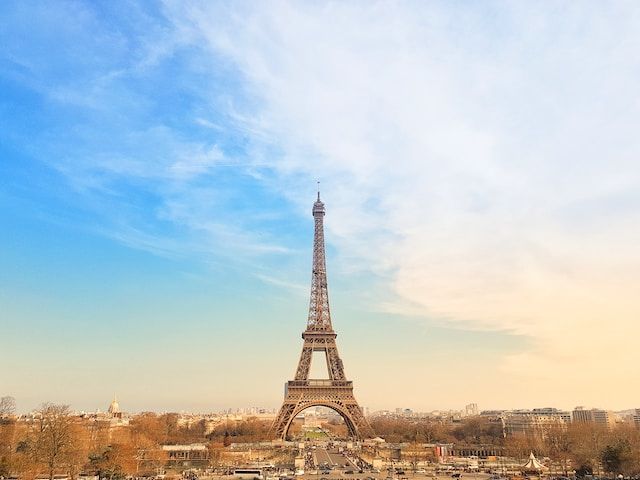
x=315 y=435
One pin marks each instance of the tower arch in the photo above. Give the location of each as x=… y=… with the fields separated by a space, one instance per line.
x=339 y=409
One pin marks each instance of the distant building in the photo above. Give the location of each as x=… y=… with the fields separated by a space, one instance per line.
x=603 y=417
x=312 y=419
x=594 y=415
x=536 y=423
x=471 y=410
x=477 y=451
x=492 y=413
x=187 y=456
x=114 y=408
x=564 y=415
x=582 y=415
x=636 y=417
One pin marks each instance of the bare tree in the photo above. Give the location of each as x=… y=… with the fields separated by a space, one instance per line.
x=416 y=453
x=559 y=446
x=7 y=446
x=54 y=444
x=7 y=406
x=587 y=442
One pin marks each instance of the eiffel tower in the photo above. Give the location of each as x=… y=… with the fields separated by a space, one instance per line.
x=336 y=392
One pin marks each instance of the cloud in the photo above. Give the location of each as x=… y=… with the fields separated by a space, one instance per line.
x=116 y=107
x=481 y=159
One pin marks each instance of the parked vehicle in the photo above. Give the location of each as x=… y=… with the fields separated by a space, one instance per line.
x=248 y=474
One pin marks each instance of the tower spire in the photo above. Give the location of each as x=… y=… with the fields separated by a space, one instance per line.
x=319 y=315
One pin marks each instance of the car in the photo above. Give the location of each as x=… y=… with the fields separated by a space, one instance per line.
x=456 y=475
x=349 y=472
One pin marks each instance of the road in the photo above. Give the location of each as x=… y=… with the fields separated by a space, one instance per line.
x=339 y=474
x=333 y=458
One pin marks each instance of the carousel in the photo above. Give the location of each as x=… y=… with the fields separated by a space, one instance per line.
x=533 y=467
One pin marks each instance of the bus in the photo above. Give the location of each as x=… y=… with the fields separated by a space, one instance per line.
x=248 y=474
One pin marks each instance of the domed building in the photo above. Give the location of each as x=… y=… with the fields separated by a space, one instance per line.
x=114 y=408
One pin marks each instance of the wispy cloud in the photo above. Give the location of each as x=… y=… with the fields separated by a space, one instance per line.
x=480 y=158
x=129 y=114
x=297 y=288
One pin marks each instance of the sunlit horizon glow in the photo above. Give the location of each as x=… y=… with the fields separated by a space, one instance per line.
x=479 y=166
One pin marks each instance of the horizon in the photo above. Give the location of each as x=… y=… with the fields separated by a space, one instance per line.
x=274 y=409
x=478 y=163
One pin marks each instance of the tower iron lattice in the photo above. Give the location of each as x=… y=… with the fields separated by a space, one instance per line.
x=336 y=392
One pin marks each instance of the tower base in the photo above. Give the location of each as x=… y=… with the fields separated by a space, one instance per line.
x=334 y=394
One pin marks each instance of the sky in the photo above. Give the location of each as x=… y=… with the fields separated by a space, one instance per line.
x=479 y=162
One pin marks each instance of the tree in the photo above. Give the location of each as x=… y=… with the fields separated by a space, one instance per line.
x=558 y=443
x=7 y=444
x=148 y=432
x=149 y=455
x=612 y=457
x=587 y=442
x=77 y=453
x=215 y=454
x=250 y=430
x=479 y=430
x=115 y=461
x=416 y=453
x=519 y=446
x=53 y=443
x=336 y=429
x=150 y=426
x=621 y=454
x=7 y=406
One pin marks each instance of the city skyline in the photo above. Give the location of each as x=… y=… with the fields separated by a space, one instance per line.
x=478 y=163
x=456 y=411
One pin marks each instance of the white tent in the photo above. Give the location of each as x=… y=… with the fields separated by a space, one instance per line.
x=533 y=465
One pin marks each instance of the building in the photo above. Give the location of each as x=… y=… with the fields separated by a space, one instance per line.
x=582 y=415
x=636 y=417
x=564 y=415
x=312 y=419
x=595 y=416
x=186 y=456
x=471 y=410
x=603 y=417
x=536 y=423
x=478 y=451
x=114 y=408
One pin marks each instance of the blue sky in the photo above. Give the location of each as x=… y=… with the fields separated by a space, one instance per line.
x=479 y=164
